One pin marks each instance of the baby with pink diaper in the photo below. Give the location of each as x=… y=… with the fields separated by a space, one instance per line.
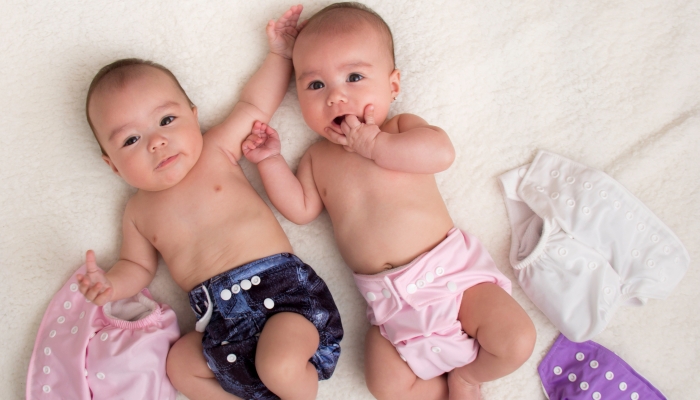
x=442 y=318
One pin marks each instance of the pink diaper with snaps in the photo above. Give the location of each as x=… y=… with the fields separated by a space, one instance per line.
x=117 y=351
x=416 y=306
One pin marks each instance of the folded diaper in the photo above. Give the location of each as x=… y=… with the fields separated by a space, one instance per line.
x=117 y=351
x=582 y=244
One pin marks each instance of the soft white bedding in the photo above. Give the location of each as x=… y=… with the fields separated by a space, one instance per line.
x=614 y=85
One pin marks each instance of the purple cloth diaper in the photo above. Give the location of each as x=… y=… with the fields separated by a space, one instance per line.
x=588 y=370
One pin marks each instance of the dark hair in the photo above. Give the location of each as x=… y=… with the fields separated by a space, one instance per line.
x=121 y=71
x=343 y=17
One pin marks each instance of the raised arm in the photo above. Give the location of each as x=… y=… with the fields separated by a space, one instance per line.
x=264 y=91
x=407 y=143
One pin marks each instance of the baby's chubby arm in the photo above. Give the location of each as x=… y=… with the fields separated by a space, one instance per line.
x=264 y=91
x=407 y=143
x=134 y=271
x=296 y=197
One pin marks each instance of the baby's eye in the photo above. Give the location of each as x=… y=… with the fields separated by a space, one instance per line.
x=167 y=120
x=131 y=140
x=355 y=78
x=315 y=85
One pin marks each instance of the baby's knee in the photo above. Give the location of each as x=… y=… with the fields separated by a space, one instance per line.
x=518 y=347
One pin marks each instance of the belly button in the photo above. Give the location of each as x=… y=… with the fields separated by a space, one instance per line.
x=217 y=188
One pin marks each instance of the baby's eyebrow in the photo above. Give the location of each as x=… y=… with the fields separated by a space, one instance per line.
x=156 y=110
x=349 y=65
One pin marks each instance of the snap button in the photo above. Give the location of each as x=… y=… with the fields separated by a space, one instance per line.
x=603 y=194
x=451 y=286
x=420 y=283
x=436 y=349
x=570 y=203
x=635 y=253
x=580 y=356
x=539 y=188
x=439 y=271
x=269 y=303
x=429 y=277
x=651 y=264
x=607 y=290
x=634 y=396
x=596 y=396
x=586 y=210
x=255 y=280
x=616 y=204
x=667 y=249
x=371 y=296
x=224 y=343
x=46 y=388
x=640 y=227
x=594 y=364
x=208 y=366
x=554 y=174
x=67 y=305
x=74 y=330
x=570 y=180
x=82 y=314
x=522 y=172
x=245 y=284
x=225 y=294
x=104 y=337
x=584 y=385
x=623 y=386
x=572 y=377
x=86 y=373
x=655 y=238
x=587 y=185
x=47 y=370
x=554 y=195
x=61 y=319
x=92 y=335
x=386 y=293
x=73 y=287
x=402 y=357
x=231 y=358
x=100 y=375
x=235 y=289
x=592 y=265
x=609 y=375
x=557 y=370
x=47 y=351
x=411 y=288
x=52 y=333
x=562 y=251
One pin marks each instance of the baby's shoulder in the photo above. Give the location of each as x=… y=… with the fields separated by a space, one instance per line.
x=402 y=122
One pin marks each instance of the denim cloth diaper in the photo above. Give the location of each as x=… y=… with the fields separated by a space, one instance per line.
x=243 y=300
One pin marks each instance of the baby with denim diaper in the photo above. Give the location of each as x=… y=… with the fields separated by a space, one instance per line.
x=443 y=320
x=267 y=325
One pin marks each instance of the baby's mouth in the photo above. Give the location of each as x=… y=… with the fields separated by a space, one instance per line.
x=339 y=120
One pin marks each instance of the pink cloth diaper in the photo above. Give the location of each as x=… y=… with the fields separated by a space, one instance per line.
x=416 y=306
x=117 y=351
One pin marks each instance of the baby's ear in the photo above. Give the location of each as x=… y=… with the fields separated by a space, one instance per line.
x=111 y=164
x=395 y=82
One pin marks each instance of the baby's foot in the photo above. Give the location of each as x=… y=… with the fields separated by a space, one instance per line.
x=461 y=389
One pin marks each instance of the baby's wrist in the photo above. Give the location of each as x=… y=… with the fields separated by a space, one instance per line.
x=283 y=54
x=271 y=157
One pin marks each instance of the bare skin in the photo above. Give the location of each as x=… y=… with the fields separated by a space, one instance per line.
x=374 y=175
x=196 y=208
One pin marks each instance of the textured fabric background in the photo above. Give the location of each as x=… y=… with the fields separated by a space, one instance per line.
x=614 y=85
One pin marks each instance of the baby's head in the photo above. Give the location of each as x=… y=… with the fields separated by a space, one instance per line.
x=343 y=61
x=145 y=124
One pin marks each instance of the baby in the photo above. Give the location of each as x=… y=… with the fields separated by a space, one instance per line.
x=437 y=302
x=267 y=324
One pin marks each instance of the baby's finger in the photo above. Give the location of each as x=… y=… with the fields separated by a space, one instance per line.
x=336 y=137
x=369 y=114
x=90 y=263
x=93 y=291
x=103 y=297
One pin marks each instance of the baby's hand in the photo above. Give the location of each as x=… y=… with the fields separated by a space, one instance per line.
x=282 y=33
x=360 y=137
x=263 y=142
x=94 y=285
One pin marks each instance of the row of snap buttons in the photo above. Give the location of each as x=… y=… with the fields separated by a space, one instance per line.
x=246 y=285
x=609 y=375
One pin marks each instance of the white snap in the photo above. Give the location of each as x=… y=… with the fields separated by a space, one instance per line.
x=554 y=195
x=100 y=375
x=74 y=330
x=371 y=296
x=224 y=343
x=592 y=265
x=61 y=319
x=634 y=396
x=104 y=337
x=226 y=294
x=46 y=388
x=617 y=204
x=640 y=227
x=607 y=290
x=245 y=284
x=386 y=293
x=580 y=356
x=587 y=185
x=451 y=286
x=67 y=305
x=596 y=396
x=439 y=271
x=667 y=249
x=74 y=287
x=82 y=314
x=522 y=172
x=52 y=333
x=594 y=364
x=402 y=357
x=420 y=283
x=411 y=288
x=436 y=349
x=655 y=238
x=92 y=335
x=47 y=351
x=635 y=253
x=609 y=375
x=269 y=303
x=86 y=373
x=539 y=188
x=584 y=385
x=554 y=174
x=47 y=370
x=235 y=289
x=651 y=263
x=603 y=194
x=570 y=203
x=557 y=370
x=572 y=377
x=208 y=366
x=427 y=334
x=570 y=180
x=429 y=277
x=562 y=251
x=586 y=210
x=231 y=358
x=623 y=386
x=629 y=215
x=255 y=280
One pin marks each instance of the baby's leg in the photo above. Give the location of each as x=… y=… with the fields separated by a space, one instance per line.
x=389 y=377
x=505 y=333
x=286 y=344
x=188 y=371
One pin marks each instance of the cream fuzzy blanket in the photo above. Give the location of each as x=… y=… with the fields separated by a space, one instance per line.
x=614 y=85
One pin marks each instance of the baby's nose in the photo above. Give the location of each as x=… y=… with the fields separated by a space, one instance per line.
x=336 y=96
